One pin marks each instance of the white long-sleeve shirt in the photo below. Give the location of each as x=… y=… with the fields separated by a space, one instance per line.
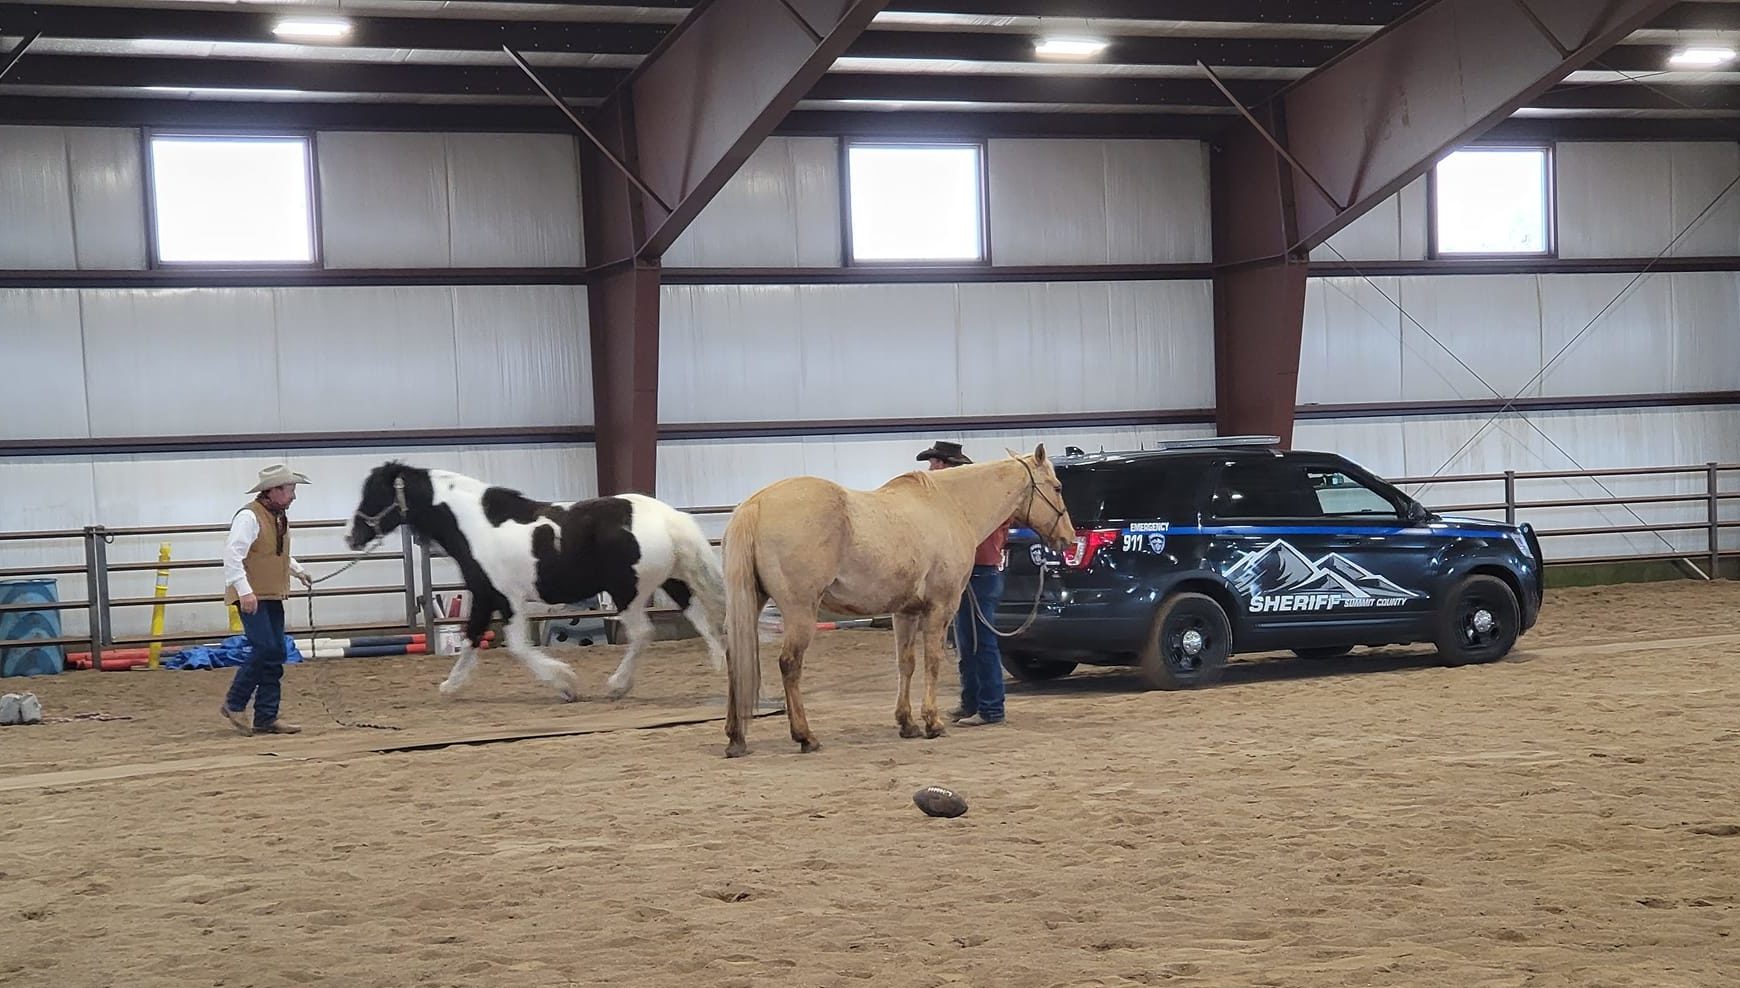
x=243 y=531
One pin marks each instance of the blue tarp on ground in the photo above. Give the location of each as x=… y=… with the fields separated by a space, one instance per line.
x=232 y=651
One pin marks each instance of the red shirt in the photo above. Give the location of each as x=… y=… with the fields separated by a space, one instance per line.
x=990 y=551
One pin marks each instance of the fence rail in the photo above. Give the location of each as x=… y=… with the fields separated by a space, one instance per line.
x=417 y=585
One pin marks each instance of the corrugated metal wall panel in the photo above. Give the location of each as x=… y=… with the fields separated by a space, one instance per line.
x=384 y=200
x=1700 y=172
x=35 y=199
x=108 y=197
x=1393 y=230
x=779 y=352
x=730 y=353
x=42 y=395
x=366 y=358
x=182 y=361
x=1351 y=348
x=1098 y=202
x=524 y=356
x=1706 y=331
x=1490 y=323
x=1614 y=199
x=1414 y=208
x=836 y=351
x=1630 y=349
x=1375 y=236
x=1048 y=202
x=1085 y=346
x=1156 y=202
x=514 y=200
x=781 y=209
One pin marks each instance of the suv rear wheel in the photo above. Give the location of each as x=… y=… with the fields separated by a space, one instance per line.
x=1479 y=622
x=1188 y=643
x=1031 y=667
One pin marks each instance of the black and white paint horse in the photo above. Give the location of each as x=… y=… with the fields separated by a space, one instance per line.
x=513 y=551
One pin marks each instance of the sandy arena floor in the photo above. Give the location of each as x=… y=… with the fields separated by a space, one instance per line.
x=1566 y=817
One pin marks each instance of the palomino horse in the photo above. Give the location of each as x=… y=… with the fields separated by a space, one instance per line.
x=513 y=550
x=905 y=548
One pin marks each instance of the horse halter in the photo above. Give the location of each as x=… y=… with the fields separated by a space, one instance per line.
x=374 y=521
x=1033 y=490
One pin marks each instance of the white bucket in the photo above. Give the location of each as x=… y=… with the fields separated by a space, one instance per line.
x=449 y=640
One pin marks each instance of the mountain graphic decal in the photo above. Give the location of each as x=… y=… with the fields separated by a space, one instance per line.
x=1279 y=569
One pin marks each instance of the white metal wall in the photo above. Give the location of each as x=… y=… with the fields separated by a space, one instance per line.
x=1613 y=200
x=781 y=210
x=782 y=352
x=97 y=363
x=450 y=200
x=1470 y=337
x=1051 y=202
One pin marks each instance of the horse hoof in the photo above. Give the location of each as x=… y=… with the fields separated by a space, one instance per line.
x=615 y=691
x=935 y=731
x=448 y=688
x=809 y=747
x=567 y=695
x=910 y=731
x=736 y=749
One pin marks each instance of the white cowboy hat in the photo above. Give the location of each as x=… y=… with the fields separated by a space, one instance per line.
x=277 y=475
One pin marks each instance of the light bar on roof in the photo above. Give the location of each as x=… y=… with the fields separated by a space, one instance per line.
x=312 y=28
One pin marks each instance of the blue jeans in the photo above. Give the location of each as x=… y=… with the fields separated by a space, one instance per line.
x=258 y=678
x=981 y=661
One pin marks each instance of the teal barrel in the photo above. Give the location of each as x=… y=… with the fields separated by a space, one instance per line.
x=30 y=660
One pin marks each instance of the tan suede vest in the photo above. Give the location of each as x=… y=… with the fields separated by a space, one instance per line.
x=267 y=570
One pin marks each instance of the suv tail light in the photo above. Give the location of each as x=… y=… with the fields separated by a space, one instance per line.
x=1087 y=543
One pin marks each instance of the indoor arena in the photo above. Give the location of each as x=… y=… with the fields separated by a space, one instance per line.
x=828 y=493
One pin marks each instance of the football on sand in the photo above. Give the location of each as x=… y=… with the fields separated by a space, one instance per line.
x=937 y=801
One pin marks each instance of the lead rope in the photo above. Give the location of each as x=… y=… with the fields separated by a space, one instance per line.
x=322 y=686
x=1038 y=593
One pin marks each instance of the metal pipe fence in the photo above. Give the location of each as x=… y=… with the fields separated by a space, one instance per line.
x=416 y=586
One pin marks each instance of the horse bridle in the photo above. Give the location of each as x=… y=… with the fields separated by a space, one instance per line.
x=374 y=521
x=1033 y=490
x=1039 y=590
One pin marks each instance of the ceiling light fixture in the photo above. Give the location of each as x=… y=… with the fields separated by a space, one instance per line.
x=320 y=28
x=1069 y=47
x=1701 y=57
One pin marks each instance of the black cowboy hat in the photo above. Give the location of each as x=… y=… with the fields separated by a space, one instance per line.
x=947 y=452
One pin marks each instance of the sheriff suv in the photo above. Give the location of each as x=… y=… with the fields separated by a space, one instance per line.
x=1190 y=552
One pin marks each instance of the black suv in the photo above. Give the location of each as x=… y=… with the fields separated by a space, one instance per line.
x=1195 y=550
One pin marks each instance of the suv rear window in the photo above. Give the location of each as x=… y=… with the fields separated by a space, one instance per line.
x=1158 y=490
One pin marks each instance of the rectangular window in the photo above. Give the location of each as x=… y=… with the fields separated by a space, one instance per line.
x=1343 y=496
x=1493 y=201
x=915 y=202
x=232 y=199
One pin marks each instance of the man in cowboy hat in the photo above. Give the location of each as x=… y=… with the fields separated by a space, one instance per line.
x=980 y=660
x=257 y=571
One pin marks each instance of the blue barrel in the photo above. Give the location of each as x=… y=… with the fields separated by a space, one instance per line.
x=30 y=660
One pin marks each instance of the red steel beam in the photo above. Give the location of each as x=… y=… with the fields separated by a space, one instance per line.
x=682 y=123
x=1330 y=146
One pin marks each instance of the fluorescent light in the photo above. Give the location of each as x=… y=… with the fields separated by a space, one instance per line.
x=1069 y=47
x=312 y=27
x=1703 y=57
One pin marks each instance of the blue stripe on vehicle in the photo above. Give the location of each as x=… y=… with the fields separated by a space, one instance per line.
x=1446 y=532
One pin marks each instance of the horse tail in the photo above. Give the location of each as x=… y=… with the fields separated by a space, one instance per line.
x=743 y=603
x=698 y=566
